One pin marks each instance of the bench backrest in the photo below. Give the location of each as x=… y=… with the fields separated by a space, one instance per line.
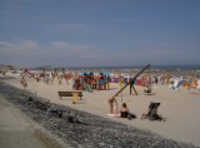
x=69 y=93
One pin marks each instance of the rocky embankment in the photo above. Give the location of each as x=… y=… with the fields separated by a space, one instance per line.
x=81 y=129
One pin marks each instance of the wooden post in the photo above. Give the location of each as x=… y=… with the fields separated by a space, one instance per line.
x=112 y=99
x=135 y=90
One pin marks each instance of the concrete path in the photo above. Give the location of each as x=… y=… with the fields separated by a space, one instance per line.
x=18 y=131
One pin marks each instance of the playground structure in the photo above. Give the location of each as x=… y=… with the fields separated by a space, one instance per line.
x=113 y=101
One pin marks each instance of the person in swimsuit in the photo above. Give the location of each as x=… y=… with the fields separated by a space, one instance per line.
x=124 y=112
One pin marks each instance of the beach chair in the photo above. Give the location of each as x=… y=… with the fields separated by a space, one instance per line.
x=152 y=113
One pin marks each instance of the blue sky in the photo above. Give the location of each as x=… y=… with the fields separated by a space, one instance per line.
x=99 y=32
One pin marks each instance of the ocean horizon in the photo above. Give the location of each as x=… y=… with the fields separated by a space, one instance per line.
x=162 y=67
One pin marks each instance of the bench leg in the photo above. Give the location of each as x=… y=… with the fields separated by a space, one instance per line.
x=75 y=99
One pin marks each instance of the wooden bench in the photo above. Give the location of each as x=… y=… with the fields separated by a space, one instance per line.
x=69 y=94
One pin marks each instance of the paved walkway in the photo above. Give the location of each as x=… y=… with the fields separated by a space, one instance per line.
x=18 y=131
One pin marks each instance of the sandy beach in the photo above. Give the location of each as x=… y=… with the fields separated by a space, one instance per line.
x=129 y=69
x=180 y=108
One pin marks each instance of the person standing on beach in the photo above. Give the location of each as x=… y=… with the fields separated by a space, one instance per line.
x=132 y=82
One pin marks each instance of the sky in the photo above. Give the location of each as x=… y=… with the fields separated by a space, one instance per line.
x=99 y=32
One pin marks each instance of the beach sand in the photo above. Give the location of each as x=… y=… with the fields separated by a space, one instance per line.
x=180 y=108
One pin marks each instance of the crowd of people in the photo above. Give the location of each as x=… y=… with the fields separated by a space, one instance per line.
x=90 y=81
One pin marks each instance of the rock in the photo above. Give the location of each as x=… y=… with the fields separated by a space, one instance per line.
x=30 y=99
